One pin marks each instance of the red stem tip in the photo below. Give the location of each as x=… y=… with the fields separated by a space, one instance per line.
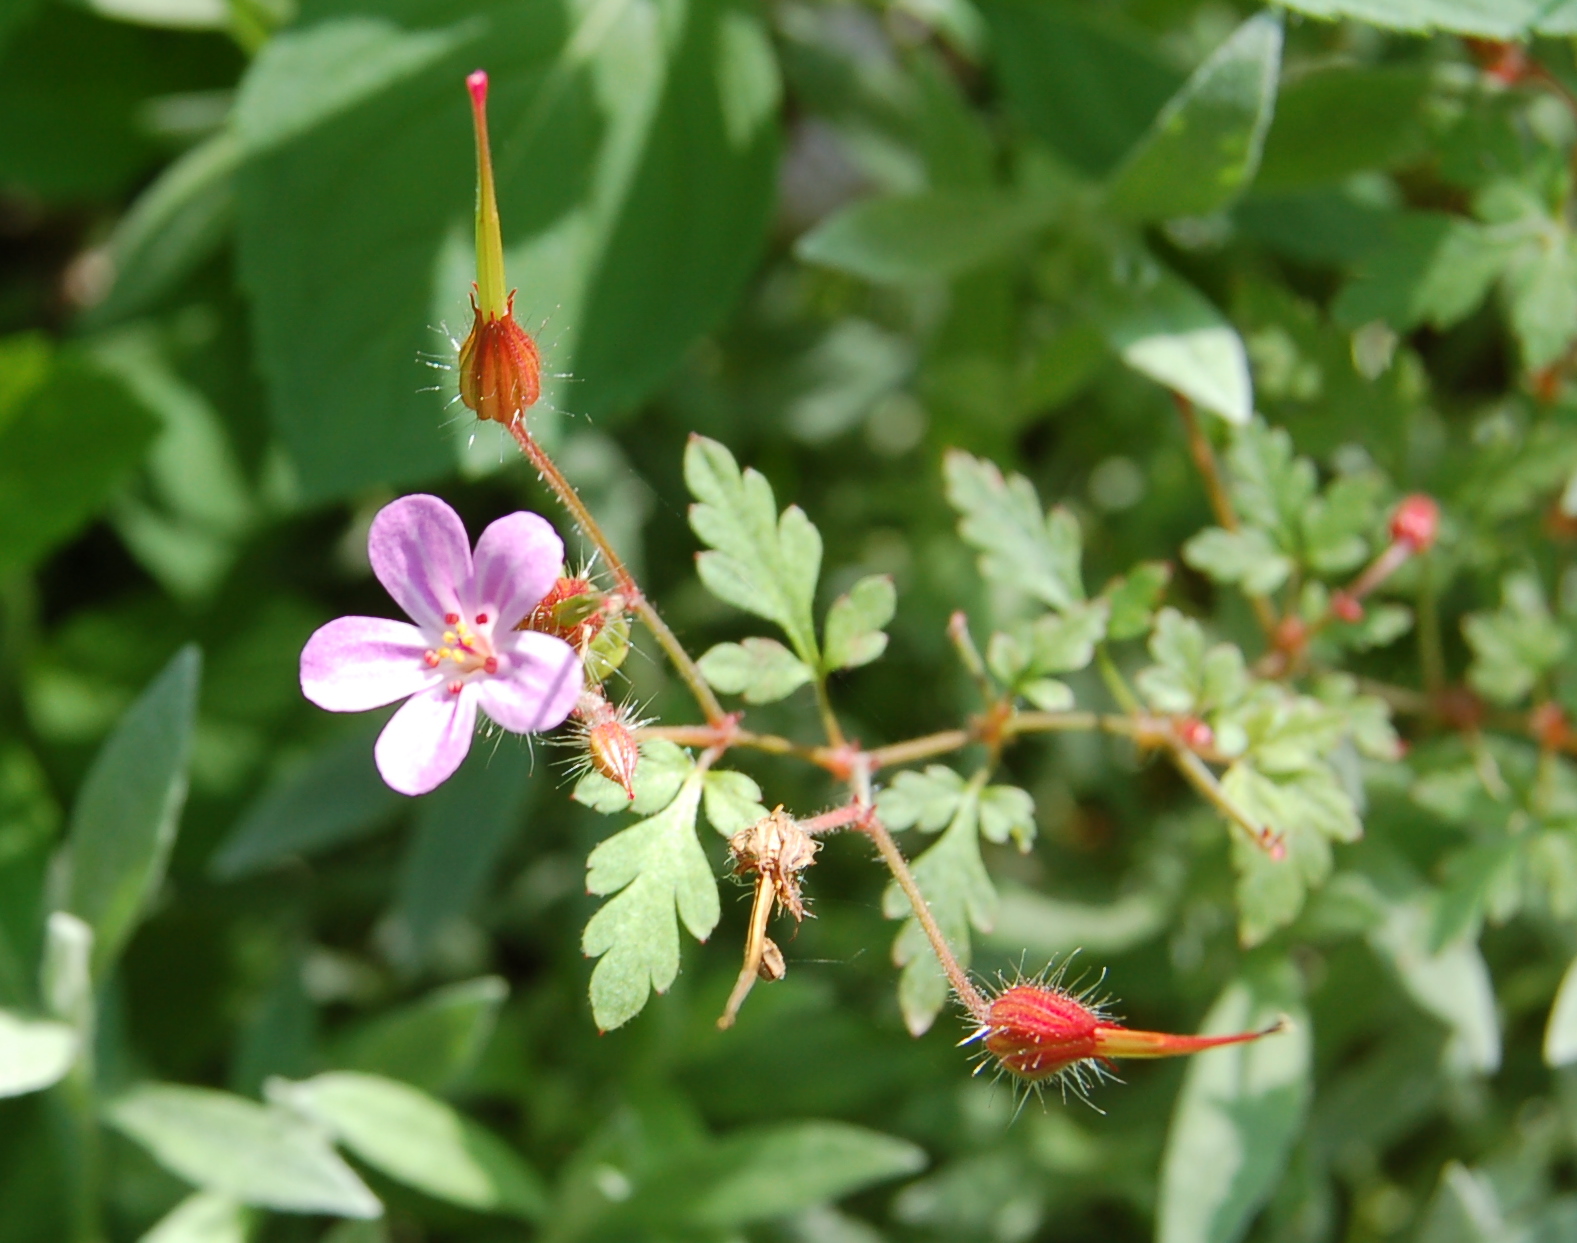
x=476 y=83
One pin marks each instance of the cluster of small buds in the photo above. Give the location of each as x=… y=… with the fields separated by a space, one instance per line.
x=1037 y=1030
x=574 y=610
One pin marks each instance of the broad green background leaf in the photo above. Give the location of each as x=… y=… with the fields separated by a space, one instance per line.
x=1341 y=119
x=1205 y=145
x=305 y=77
x=1560 y=1033
x=648 y=868
x=461 y=829
x=1465 y=1209
x=418 y=1140
x=49 y=400
x=1084 y=84
x=82 y=84
x=349 y=259
x=176 y=223
x=1494 y=19
x=776 y=1171
x=932 y=236
x=127 y=812
x=1030 y=922
x=34 y=1053
x=1452 y=984
x=433 y=1041
x=202 y=1218
x=1240 y=1110
x=1432 y=268
x=1165 y=329
x=333 y=797
x=238 y=1148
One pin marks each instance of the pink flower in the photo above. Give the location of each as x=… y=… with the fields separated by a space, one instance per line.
x=462 y=654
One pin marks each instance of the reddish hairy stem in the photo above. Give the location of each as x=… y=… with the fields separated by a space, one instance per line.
x=870 y=823
x=666 y=639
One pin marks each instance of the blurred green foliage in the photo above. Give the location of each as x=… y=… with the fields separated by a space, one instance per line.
x=921 y=274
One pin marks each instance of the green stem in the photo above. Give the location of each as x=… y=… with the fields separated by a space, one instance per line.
x=73 y=1118
x=829 y=719
x=1115 y=683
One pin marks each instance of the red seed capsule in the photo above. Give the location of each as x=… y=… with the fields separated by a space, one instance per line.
x=1038 y=1031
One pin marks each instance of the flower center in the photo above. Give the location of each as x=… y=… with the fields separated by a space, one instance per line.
x=464 y=652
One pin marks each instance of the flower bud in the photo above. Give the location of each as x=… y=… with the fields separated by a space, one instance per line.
x=500 y=369
x=1416 y=522
x=605 y=733
x=1037 y=1031
x=611 y=747
x=1549 y=727
x=572 y=610
x=1346 y=607
x=1195 y=734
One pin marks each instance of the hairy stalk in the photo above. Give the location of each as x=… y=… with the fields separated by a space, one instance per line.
x=922 y=748
x=1198 y=775
x=1220 y=499
x=872 y=826
x=643 y=608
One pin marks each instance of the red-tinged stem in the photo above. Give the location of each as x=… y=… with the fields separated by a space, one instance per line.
x=838 y=818
x=1220 y=499
x=642 y=607
x=873 y=827
x=1391 y=559
x=1124 y=1042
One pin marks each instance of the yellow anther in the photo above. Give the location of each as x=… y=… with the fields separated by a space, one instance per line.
x=445 y=654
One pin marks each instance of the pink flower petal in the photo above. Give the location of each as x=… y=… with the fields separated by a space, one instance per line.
x=356 y=663
x=420 y=553
x=425 y=741
x=537 y=683
x=517 y=559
